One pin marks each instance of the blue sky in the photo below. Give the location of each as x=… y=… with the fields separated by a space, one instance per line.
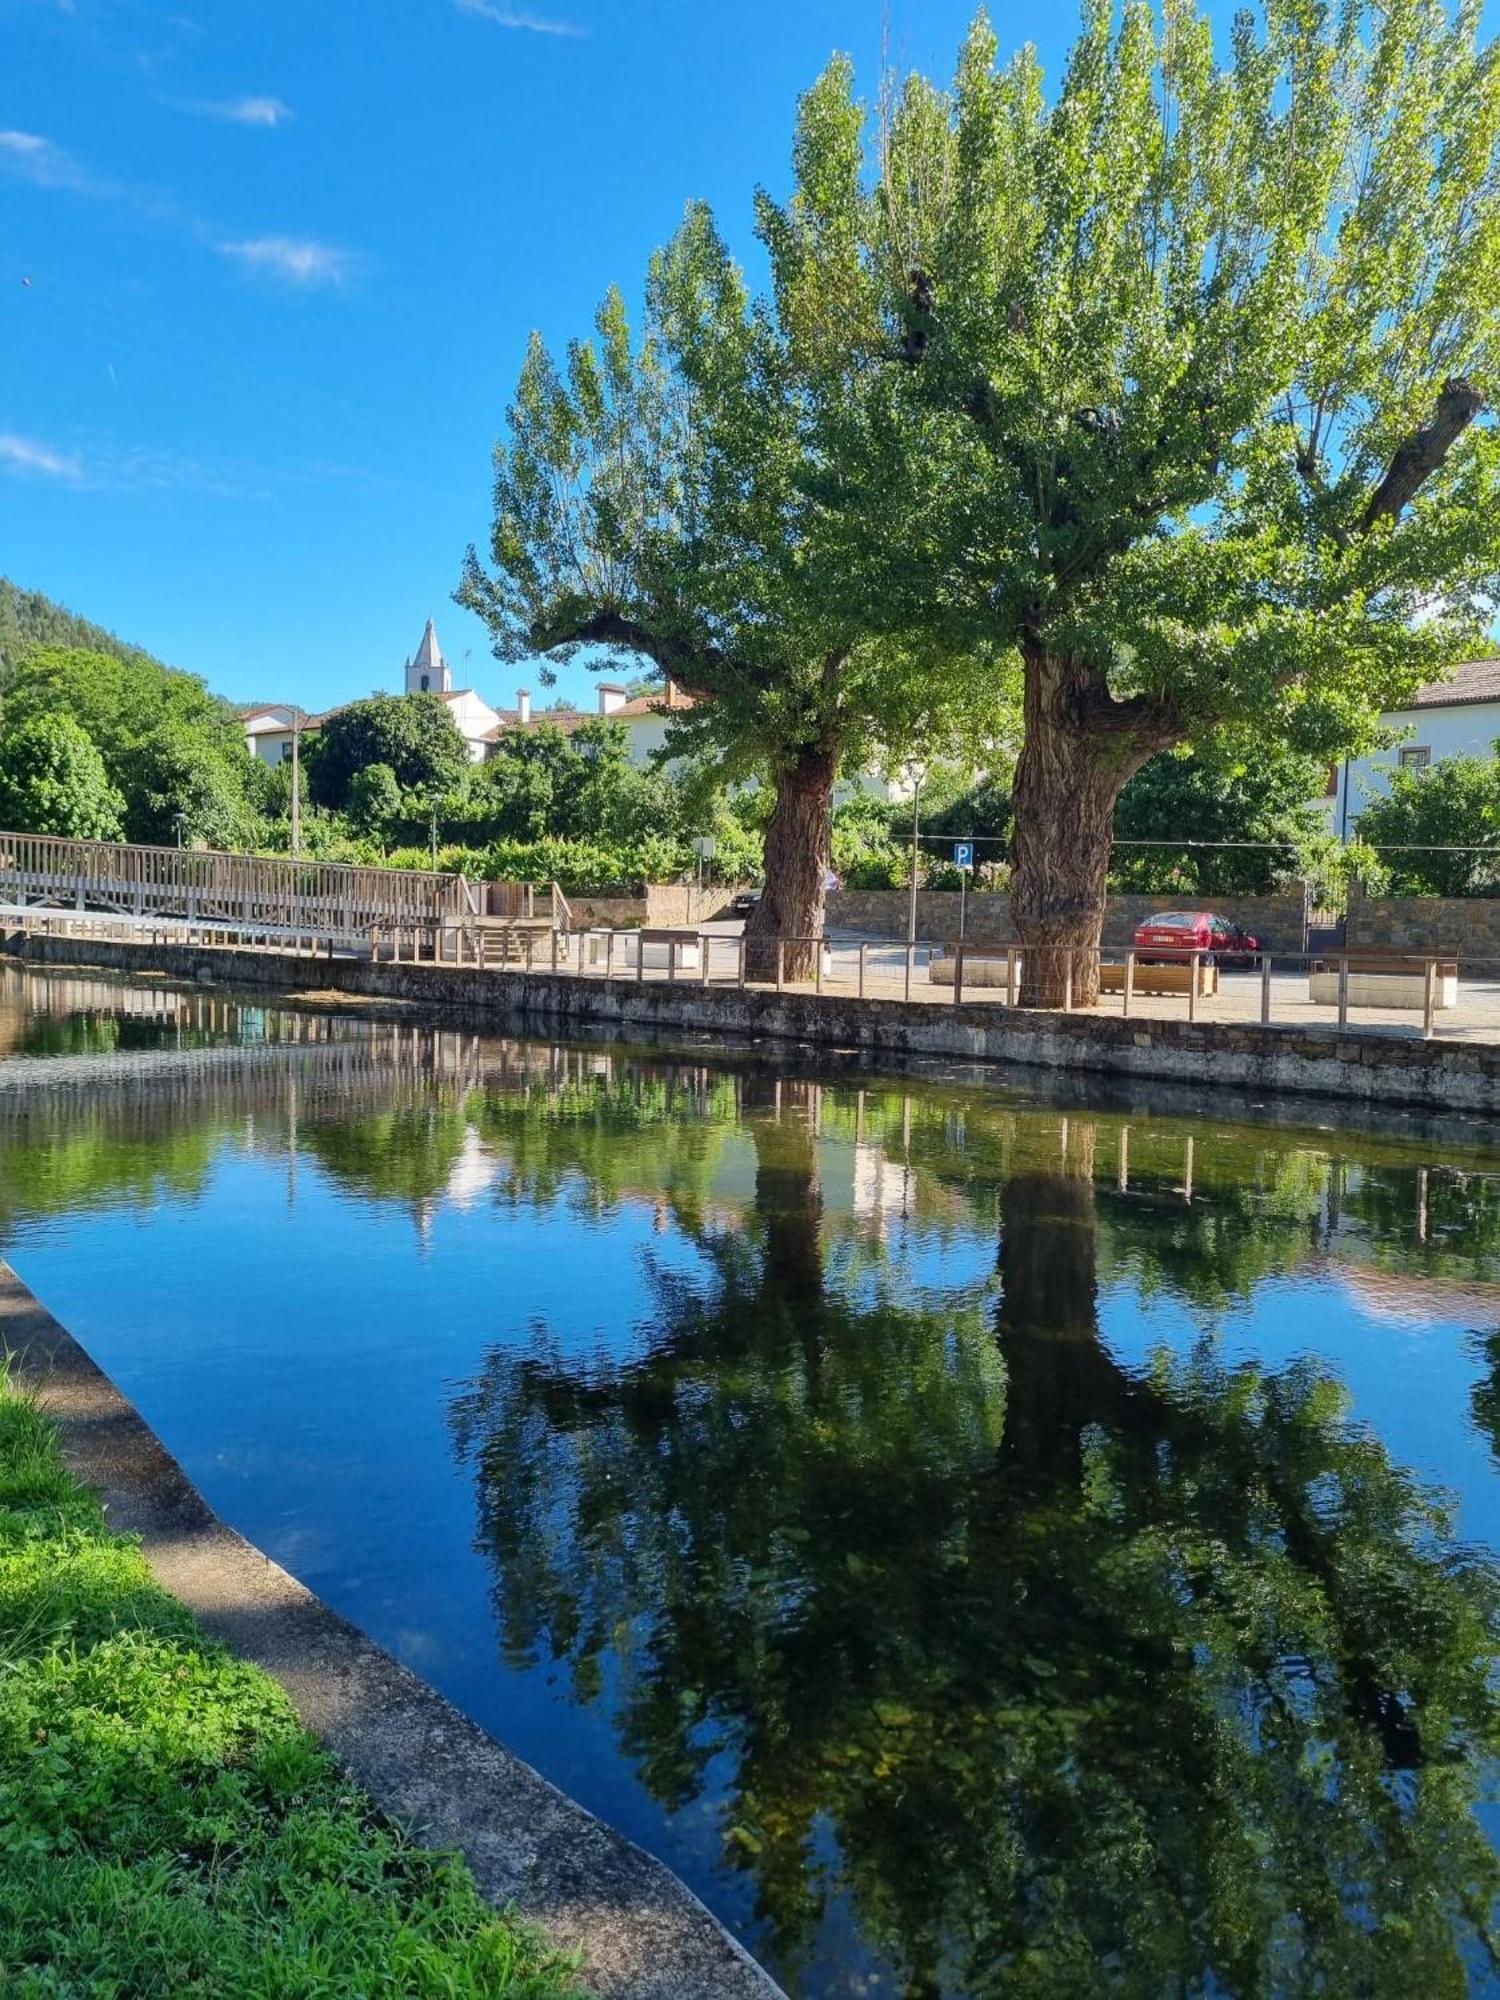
x=267 y=273
x=283 y=262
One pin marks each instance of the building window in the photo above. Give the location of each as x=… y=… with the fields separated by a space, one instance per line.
x=426 y=683
x=1416 y=759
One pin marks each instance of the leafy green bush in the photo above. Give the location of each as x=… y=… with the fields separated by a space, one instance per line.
x=1452 y=809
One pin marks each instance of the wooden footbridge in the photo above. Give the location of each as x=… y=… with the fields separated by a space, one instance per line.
x=262 y=899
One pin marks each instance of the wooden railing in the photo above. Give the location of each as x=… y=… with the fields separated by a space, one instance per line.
x=245 y=890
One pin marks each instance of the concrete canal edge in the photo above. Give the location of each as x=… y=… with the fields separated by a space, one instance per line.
x=641 y=1932
x=1364 y=1065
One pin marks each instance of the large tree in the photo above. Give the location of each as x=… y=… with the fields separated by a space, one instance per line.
x=1210 y=335
x=173 y=750
x=1225 y=820
x=730 y=498
x=414 y=735
x=53 y=780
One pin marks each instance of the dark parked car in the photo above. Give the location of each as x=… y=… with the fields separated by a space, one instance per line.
x=1174 y=932
x=744 y=903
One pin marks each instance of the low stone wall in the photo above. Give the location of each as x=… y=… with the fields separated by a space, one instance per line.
x=1362 y=1065
x=1277 y=921
x=665 y=906
x=1468 y=926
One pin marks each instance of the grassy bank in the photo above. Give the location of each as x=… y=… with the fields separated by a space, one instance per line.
x=167 y=1826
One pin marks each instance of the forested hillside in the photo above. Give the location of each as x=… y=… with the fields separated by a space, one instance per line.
x=27 y=618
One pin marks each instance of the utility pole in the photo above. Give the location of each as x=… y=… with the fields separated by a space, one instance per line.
x=296 y=784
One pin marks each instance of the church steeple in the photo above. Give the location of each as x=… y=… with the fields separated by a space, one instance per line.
x=429 y=672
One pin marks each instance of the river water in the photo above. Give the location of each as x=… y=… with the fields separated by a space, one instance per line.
x=986 y=1544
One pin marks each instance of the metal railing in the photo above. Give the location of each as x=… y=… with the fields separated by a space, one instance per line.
x=1426 y=995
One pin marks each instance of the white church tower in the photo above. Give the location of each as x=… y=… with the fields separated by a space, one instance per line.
x=429 y=672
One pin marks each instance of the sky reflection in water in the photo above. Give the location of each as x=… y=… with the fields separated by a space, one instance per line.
x=985 y=1546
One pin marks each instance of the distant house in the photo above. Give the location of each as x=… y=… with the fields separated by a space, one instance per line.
x=1458 y=717
x=644 y=718
x=268 y=732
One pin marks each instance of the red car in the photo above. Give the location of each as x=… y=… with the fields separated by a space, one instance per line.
x=1196 y=930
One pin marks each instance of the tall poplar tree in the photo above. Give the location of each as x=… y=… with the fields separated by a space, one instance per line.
x=730 y=497
x=1211 y=336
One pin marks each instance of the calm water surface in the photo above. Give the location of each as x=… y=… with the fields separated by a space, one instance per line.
x=986 y=1546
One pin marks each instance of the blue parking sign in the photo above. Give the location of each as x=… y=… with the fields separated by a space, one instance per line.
x=963 y=854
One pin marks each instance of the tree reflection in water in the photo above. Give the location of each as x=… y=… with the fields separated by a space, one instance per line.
x=1066 y=1677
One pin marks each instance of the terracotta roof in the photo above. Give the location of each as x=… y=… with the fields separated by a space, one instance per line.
x=1475 y=680
x=673 y=702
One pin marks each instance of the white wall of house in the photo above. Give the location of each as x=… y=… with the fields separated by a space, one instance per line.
x=268 y=735
x=1460 y=729
x=475 y=719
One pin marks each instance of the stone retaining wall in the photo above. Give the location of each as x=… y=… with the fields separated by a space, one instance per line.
x=665 y=905
x=1277 y=921
x=1467 y=925
x=1363 y=1065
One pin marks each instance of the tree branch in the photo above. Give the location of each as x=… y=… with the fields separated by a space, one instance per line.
x=683 y=663
x=1416 y=458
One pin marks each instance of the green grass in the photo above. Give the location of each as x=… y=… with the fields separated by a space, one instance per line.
x=167 y=1826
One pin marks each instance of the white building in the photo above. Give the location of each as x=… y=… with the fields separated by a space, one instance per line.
x=268 y=729
x=1459 y=717
x=268 y=732
x=644 y=718
x=429 y=673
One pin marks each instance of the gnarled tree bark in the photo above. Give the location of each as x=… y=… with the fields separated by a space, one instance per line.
x=799 y=844
x=1079 y=751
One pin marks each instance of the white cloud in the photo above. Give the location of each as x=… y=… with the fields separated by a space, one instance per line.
x=298 y=260
x=37 y=159
x=267 y=111
x=295 y=260
x=19 y=454
x=511 y=17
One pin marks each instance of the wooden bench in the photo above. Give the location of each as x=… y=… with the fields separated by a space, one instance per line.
x=1384 y=979
x=1159 y=978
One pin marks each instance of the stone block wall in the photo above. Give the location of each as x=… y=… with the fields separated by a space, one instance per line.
x=1467 y=925
x=1276 y=920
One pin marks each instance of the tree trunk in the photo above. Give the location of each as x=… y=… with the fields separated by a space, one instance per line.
x=1076 y=759
x=799 y=839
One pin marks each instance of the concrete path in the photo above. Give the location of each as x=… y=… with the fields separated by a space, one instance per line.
x=641 y=1933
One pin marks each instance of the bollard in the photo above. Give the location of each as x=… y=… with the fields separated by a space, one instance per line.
x=906 y=991
x=671 y=961
x=958 y=974
x=1129 y=983
x=1265 y=991
x=1067 y=1005
x=1010 y=976
x=704 y=944
x=530 y=947
x=554 y=951
x=1192 y=986
x=1429 y=1000
x=640 y=959
x=780 y=963
x=864 y=953
x=742 y=961
x=817 y=965
x=1343 y=992
x=609 y=957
